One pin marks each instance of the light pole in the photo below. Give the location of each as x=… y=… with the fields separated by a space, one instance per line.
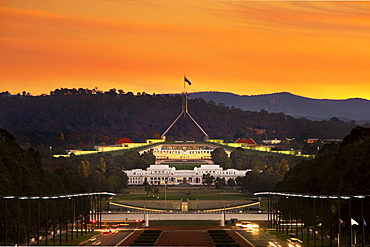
x=54 y=199
x=165 y=194
x=340 y=221
x=46 y=198
x=6 y=217
x=18 y=223
x=315 y=219
x=322 y=220
x=350 y=218
x=38 y=216
x=73 y=217
x=362 y=218
x=331 y=220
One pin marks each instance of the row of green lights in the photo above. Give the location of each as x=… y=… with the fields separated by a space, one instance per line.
x=58 y=196
x=310 y=195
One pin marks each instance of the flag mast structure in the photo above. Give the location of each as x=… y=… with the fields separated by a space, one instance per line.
x=184 y=112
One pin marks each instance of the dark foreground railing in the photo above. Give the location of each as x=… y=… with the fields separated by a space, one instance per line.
x=29 y=219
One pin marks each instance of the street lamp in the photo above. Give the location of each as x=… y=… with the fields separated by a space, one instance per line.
x=362 y=219
x=38 y=215
x=18 y=223
x=47 y=218
x=165 y=194
x=6 y=217
x=54 y=197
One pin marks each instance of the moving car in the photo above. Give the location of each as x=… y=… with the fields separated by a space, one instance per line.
x=123 y=224
x=110 y=231
x=294 y=242
x=248 y=225
x=274 y=244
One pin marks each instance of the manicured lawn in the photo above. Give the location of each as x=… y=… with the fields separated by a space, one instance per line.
x=284 y=237
x=201 y=195
x=184 y=223
x=76 y=240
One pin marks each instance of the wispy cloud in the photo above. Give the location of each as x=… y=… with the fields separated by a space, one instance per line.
x=253 y=46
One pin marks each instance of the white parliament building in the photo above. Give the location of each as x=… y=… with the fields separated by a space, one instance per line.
x=160 y=174
x=163 y=174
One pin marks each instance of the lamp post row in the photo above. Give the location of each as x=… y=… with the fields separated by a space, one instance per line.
x=74 y=208
x=281 y=206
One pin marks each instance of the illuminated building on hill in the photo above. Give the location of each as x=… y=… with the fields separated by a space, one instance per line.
x=163 y=150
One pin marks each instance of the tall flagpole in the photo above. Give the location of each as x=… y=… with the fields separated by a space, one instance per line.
x=185 y=98
x=184 y=112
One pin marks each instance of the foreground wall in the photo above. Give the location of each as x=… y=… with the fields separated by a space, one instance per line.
x=184 y=216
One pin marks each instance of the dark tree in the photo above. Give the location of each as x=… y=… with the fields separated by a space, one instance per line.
x=220 y=157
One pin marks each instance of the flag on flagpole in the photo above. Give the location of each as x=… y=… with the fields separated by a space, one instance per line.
x=364 y=222
x=186 y=80
x=353 y=222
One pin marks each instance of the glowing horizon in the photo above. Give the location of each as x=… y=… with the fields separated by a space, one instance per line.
x=316 y=49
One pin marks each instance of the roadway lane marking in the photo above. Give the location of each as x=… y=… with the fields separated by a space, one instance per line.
x=120 y=242
x=246 y=240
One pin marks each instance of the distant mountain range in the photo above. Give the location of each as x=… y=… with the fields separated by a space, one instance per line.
x=296 y=106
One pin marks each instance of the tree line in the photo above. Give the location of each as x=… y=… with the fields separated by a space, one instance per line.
x=26 y=172
x=341 y=169
x=82 y=118
x=267 y=169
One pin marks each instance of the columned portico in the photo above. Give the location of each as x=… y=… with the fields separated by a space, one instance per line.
x=184 y=151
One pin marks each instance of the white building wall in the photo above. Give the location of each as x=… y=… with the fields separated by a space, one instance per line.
x=159 y=174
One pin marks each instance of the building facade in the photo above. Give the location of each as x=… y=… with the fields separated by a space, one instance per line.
x=164 y=174
x=183 y=151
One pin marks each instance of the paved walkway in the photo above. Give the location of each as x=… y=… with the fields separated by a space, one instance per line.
x=185 y=236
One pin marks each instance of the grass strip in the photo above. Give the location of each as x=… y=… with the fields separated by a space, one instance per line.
x=141 y=244
x=216 y=231
x=227 y=244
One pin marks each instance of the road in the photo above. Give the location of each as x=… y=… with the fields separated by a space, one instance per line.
x=110 y=239
x=258 y=238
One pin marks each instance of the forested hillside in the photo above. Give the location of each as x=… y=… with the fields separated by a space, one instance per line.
x=267 y=168
x=71 y=118
x=21 y=171
x=341 y=169
x=25 y=172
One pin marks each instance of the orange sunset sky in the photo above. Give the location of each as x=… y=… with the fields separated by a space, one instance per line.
x=315 y=49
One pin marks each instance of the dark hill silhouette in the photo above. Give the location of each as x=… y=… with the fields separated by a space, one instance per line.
x=71 y=118
x=315 y=109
